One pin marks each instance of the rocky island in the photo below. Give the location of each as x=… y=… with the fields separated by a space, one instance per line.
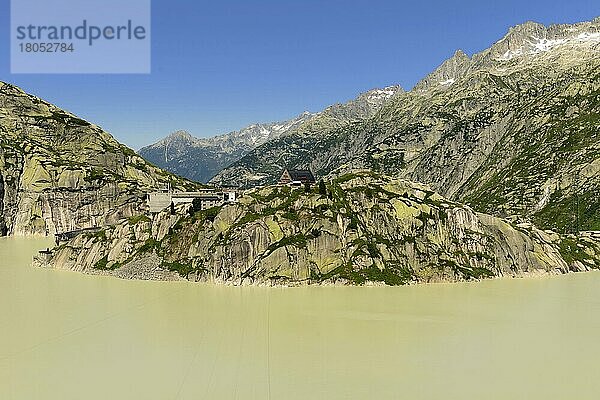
x=360 y=228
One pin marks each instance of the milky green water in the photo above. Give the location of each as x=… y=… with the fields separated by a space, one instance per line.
x=65 y=335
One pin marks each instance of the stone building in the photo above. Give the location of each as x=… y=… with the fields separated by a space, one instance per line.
x=158 y=201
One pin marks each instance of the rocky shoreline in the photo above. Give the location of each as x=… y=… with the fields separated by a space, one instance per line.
x=366 y=230
x=149 y=270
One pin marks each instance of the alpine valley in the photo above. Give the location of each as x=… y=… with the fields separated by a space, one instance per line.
x=490 y=166
x=200 y=159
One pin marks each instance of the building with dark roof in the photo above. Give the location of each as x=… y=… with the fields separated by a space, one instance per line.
x=296 y=177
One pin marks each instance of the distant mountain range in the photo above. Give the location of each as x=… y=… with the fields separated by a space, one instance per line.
x=200 y=159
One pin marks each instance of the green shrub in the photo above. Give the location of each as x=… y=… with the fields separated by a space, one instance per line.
x=101 y=263
x=182 y=269
x=149 y=245
x=211 y=213
x=196 y=206
x=322 y=188
x=137 y=219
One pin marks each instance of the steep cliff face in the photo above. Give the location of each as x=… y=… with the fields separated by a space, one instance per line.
x=60 y=173
x=511 y=131
x=362 y=228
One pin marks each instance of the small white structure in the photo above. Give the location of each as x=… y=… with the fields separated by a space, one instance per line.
x=231 y=196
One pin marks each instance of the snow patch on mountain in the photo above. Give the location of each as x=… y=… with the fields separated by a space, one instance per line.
x=536 y=45
x=384 y=93
x=448 y=82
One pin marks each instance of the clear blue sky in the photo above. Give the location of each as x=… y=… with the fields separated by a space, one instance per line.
x=220 y=65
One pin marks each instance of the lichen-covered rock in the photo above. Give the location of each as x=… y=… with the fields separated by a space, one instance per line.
x=59 y=173
x=366 y=228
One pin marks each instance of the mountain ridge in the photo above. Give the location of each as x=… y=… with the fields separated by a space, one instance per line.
x=529 y=38
x=466 y=137
x=60 y=173
x=201 y=158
